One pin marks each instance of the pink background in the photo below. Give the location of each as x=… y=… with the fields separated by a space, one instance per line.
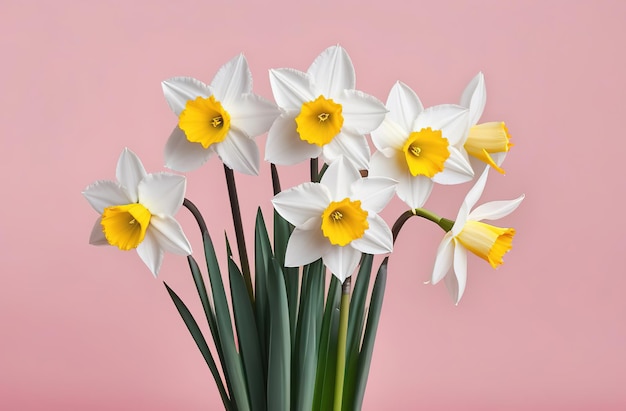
x=88 y=328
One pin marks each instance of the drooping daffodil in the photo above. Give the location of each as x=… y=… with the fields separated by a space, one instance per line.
x=337 y=219
x=486 y=143
x=137 y=210
x=419 y=147
x=469 y=233
x=324 y=115
x=221 y=118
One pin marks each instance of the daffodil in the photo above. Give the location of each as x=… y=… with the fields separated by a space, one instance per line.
x=337 y=219
x=323 y=114
x=137 y=211
x=221 y=118
x=419 y=147
x=487 y=143
x=469 y=233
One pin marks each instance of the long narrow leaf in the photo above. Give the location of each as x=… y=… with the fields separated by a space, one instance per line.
x=234 y=367
x=279 y=364
x=282 y=231
x=373 y=317
x=326 y=368
x=248 y=337
x=195 y=332
x=262 y=257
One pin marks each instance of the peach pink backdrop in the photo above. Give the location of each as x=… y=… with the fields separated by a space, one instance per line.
x=88 y=328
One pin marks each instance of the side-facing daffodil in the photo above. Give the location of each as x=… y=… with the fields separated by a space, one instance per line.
x=469 y=233
x=486 y=143
x=337 y=219
x=137 y=211
x=221 y=118
x=418 y=146
x=324 y=115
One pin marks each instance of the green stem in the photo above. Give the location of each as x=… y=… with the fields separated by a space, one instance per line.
x=241 y=239
x=315 y=177
x=342 y=337
x=196 y=213
x=275 y=179
x=444 y=223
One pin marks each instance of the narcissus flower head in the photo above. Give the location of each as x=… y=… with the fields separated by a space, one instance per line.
x=469 y=233
x=323 y=114
x=337 y=219
x=136 y=212
x=419 y=147
x=221 y=118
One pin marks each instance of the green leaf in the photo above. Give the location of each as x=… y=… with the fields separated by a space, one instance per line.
x=262 y=257
x=356 y=321
x=282 y=231
x=373 y=317
x=195 y=332
x=247 y=337
x=233 y=367
x=327 y=357
x=309 y=323
x=279 y=364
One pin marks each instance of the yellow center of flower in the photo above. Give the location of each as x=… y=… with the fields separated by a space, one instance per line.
x=204 y=121
x=344 y=221
x=486 y=139
x=486 y=241
x=319 y=121
x=125 y=226
x=425 y=152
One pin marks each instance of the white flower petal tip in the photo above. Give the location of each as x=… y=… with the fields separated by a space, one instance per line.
x=474 y=97
x=217 y=118
x=470 y=234
x=346 y=206
x=331 y=117
x=137 y=211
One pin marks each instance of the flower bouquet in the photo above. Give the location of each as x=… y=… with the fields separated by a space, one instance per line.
x=286 y=338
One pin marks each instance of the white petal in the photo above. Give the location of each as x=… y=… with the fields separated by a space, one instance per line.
x=390 y=135
x=162 y=193
x=468 y=203
x=403 y=105
x=332 y=72
x=239 y=152
x=443 y=261
x=339 y=177
x=103 y=194
x=301 y=203
x=456 y=169
x=151 y=253
x=374 y=192
x=361 y=112
x=183 y=155
x=451 y=119
x=179 y=90
x=130 y=172
x=169 y=235
x=414 y=191
x=391 y=167
x=495 y=209
x=253 y=114
x=305 y=246
x=342 y=261
x=377 y=239
x=351 y=145
x=284 y=145
x=97 y=235
x=460 y=272
x=232 y=80
x=291 y=88
x=474 y=97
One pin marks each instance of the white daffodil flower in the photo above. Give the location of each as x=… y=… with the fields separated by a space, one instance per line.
x=419 y=147
x=486 y=143
x=221 y=118
x=470 y=233
x=137 y=211
x=324 y=115
x=337 y=219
